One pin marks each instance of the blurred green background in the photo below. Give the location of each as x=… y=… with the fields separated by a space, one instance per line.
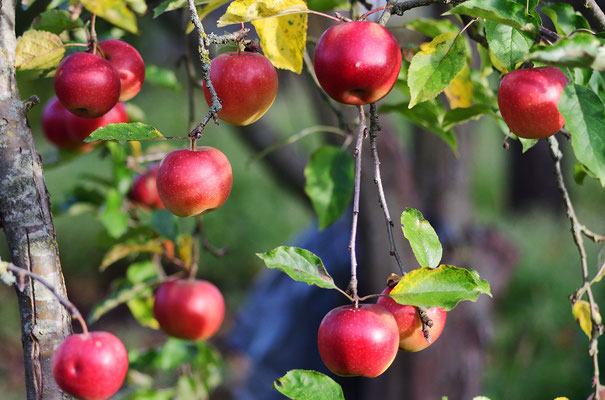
x=538 y=351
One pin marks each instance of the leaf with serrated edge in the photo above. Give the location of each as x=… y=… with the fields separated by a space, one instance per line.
x=329 y=183
x=300 y=264
x=422 y=237
x=435 y=66
x=38 y=50
x=300 y=384
x=123 y=132
x=509 y=45
x=584 y=118
x=113 y=11
x=445 y=287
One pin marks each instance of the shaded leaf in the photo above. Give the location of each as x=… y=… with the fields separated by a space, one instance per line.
x=122 y=132
x=435 y=66
x=38 y=50
x=462 y=115
x=163 y=77
x=581 y=50
x=509 y=45
x=56 y=21
x=171 y=5
x=113 y=11
x=300 y=384
x=330 y=179
x=564 y=17
x=300 y=264
x=507 y=12
x=444 y=287
x=122 y=250
x=422 y=237
x=113 y=219
x=584 y=115
x=141 y=308
x=433 y=27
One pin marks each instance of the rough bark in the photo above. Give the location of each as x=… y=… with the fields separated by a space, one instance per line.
x=27 y=222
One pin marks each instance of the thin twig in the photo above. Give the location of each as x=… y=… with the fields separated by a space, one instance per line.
x=201 y=232
x=426 y=323
x=399 y=7
x=361 y=133
x=374 y=128
x=69 y=306
x=578 y=239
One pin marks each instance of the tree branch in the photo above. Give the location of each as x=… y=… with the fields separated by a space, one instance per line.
x=595 y=11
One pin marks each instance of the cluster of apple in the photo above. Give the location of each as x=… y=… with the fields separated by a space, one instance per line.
x=364 y=340
x=88 y=87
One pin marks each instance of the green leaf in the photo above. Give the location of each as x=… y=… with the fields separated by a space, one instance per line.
x=113 y=11
x=428 y=115
x=462 y=115
x=162 y=77
x=327 y=5
x=584 y=115
x=432 y=27
x=141 y=271
x=330 y=179
x=173 y=354
x=582 y=50
x=141 y=308
x=123 y=131
x=138 y=6
x=56 y=21
x=300 y=264
x=122 y=250
x=527 y=144
x=300 y=384
x=171 y=5
x=580 y=172
x=564 y=17
x=124 y=292
x=444 y=287
x=422 y=237
x=435 y=66
x=38 y=50
x=509 y=45
x=112 y=217
x=507 y=12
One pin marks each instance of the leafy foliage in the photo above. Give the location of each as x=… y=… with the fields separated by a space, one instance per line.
x=299 y=384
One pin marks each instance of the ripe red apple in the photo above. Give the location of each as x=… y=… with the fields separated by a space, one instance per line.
x=194 y=182
x=144 y=191
x=411 y=337
x=358 y=341
x=357 y=62
x=90 y=366
x=87 y=85
x=528 y=101
x=67 y=131
x=129 y=64
x=189 y=309
x=247 y=84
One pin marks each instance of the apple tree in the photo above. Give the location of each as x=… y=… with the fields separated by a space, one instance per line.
x=495 y=59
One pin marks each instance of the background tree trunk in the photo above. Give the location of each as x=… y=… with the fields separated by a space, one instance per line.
x=27 y=222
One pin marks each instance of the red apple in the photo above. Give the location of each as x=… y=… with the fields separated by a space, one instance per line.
x=129 y=64
x=358 y=341
x=144 y=190
x=194 y=182
x=90 y=366
x=246 y=82
x=528 y=101
x=411 y=337
x=87 y=85
x=357 y=62
x=189 y=309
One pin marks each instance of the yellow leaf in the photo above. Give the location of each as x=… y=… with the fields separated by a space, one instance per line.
x=497 y=63
x=135 y=146
x=185 y=249
x=460 y=91
x=250 y=10
x=581 y=313
x=114 y=11
x=38 y=50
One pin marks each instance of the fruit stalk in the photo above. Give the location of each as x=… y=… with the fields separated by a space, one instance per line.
x=361 y=133
x=374 y=128
x=576 y=230
x=69 y=306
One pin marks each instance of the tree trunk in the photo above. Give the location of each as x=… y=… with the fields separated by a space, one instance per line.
x=27 y=222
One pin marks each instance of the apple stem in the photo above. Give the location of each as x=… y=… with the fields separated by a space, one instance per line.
x=374 y=128
x=94 y=41
x=22 y=272
x=577 y=229
x=366 y=15
x=361 y=133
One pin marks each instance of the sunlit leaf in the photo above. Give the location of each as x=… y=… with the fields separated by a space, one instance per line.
x=114 y=11
x=122 y=250
x=123 y=132
x=565 y=18
x=433 y=27
x=56 y=21
x=445 y=287
x=422 y=237
x=38 y=50
x=300 y=264
x=581 y=313
x=581 y=50
x=509 y=45
x=300 y=384
x=460 y=91
x=507 y=12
